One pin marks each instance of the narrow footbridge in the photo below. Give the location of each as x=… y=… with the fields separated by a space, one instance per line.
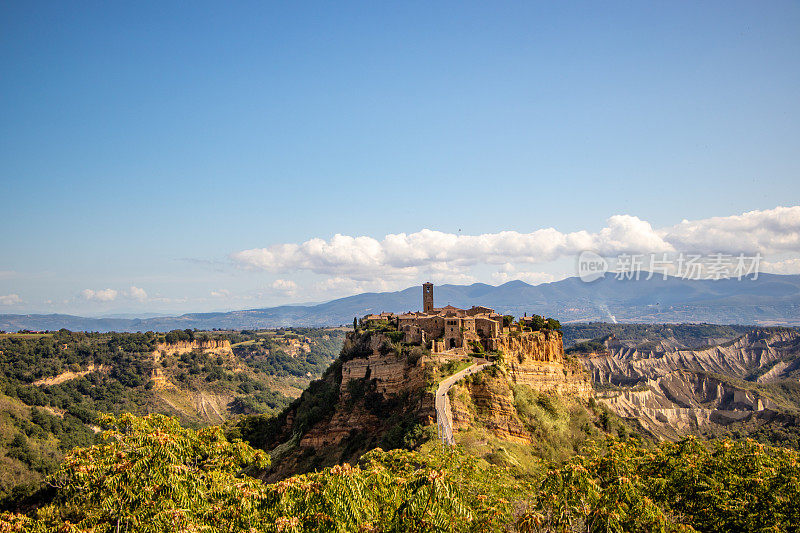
x=444 y=417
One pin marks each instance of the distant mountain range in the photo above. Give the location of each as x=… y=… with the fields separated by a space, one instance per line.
x=769 y=300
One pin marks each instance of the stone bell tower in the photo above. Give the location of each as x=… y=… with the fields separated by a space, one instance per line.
x=427 y=297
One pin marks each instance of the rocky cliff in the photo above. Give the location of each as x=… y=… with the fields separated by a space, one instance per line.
x=204 y=403
x=375 y=394
x=489 y=401
x=535 y=360
x=366 y=384
x=164 y=349
x=381 y=393
x=538 y=360
x=217 y=346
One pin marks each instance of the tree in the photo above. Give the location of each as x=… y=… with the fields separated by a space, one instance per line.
x=150 y=474
x=553 y=324
x=538 y=323
x=683 y=486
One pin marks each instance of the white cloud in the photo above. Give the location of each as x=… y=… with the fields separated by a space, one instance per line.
x=10 y=299
x=508 y=272
x=405 y=255
x=769 y=231
x=109 y=295
x=137 y=294
x=221 y=293
x=357 y=262
x=337 y=285
x=284 y=285
x=787 y=266
x=102 y=295
x=165 y=300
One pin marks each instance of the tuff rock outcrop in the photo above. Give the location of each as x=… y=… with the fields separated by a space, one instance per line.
x=217 y=346
x=535 y=360
x=538 y=360
x=380 y=387
x=490 y=402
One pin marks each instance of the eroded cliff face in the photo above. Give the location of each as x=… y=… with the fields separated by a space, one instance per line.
x=375 y=391
x=739 y=358
x=535 y=360
x=684 y=402
x=69 y=375
x=206 y=404
x=489 y=401
x=381 y=379
x=392 y=373
x=164 y=349
x=538 y=360
x=696 y=391
x=219 y=347
x=367 y=394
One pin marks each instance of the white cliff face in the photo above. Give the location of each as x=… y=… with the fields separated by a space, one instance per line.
x=674 y=393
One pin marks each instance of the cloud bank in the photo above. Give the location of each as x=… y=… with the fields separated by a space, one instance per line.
x=109 y=295
x=101 y=295
x=10 y=299
x=403 y=255
x=769 y=232
x=137 y=294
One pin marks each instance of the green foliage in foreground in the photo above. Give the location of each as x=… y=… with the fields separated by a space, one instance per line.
x=149 y=474
x=152 y=475
x=687 y=486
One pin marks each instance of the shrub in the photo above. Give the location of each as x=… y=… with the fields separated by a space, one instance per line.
x=684 y=486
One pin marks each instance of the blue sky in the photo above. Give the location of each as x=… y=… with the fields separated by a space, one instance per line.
x=148 y=145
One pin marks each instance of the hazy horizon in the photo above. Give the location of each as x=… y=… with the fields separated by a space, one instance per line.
x=123 y=314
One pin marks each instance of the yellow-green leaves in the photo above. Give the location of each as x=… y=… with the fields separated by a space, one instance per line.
x=685 y=486
x=151 y=475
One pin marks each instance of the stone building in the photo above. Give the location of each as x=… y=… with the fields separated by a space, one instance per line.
x=446 y=328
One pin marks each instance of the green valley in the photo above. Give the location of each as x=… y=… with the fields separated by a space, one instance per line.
x=54 y=386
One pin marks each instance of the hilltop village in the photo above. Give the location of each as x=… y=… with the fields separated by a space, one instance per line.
x=458 y=331
x=395 y=370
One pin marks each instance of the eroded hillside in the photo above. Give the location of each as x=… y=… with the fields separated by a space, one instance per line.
x=748 y=385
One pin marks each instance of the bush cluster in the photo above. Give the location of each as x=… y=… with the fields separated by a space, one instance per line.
x=149 y=474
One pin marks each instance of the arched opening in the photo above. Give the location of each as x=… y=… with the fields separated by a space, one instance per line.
x=452 y=343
